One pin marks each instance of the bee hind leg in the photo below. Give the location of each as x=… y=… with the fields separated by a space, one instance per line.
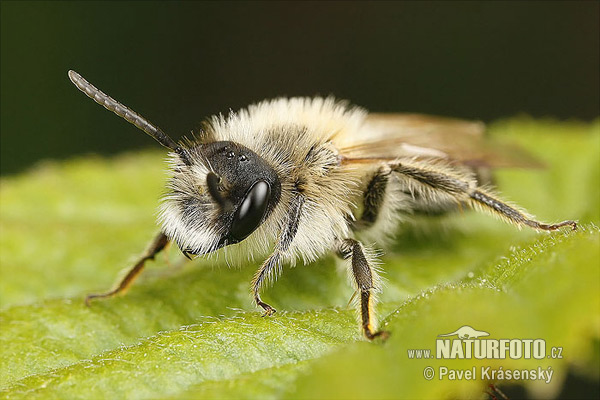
x=442 y=181
x=157 y=245
x=364 y=277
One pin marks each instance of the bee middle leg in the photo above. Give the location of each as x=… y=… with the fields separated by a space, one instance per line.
x=364 y=277
x=374 y=198
x=157 y=245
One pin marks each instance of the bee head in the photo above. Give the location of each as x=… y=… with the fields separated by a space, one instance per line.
x=219 y=194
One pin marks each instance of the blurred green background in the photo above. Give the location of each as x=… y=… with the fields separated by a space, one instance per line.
x=178 y=62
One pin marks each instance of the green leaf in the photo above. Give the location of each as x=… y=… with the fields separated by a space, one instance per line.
x=189 y=330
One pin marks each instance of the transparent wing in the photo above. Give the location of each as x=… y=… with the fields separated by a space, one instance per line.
x=391 y=136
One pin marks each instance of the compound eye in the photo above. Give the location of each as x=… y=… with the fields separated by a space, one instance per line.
x=250 y=213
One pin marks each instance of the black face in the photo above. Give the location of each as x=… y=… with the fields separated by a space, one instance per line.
x=243 y=184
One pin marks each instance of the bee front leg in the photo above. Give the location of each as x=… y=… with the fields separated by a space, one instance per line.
x=157 y=244
x=364 y=277
x=272 y=265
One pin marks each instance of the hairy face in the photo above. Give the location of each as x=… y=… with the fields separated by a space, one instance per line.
x=218 y=195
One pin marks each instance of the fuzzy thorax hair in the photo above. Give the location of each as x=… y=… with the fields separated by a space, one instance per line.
x=298 y=139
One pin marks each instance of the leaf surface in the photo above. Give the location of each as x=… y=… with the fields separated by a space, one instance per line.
x=189 y=330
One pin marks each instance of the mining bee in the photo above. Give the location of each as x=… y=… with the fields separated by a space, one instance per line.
x=296 y=178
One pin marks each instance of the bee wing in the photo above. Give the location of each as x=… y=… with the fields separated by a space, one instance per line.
x=391 y=136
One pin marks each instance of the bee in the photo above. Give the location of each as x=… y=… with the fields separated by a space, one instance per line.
x=293 y=179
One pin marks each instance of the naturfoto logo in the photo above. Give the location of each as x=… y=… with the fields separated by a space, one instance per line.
x=466 y=332
x=467 y=342
x=469 y=345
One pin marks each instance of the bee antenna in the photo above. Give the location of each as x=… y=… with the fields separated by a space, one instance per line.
x=125 y=112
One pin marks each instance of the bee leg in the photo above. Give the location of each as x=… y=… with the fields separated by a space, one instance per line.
x=364 y=276
x=488 y=201
x=274 y=262
x=374 y=197
x=157 y=244
x=444 y=182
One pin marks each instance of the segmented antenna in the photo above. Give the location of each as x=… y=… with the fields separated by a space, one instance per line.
x=123 y=111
